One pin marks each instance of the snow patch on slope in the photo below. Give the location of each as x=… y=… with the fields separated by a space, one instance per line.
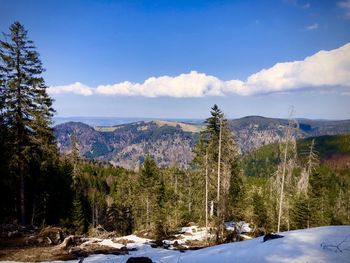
x=308 y=245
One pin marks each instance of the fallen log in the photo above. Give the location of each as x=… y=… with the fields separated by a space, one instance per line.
x=69 y=241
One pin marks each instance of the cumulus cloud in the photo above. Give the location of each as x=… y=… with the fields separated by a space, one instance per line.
x=76 y=88
x=325 y=69
x=193 y=84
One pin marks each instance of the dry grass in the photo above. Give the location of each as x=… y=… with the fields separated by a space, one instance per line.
x=105 y=128
x=34 y=254
x=186 y=127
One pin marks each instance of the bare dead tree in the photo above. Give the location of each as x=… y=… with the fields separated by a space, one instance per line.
x=206 y=193
x=312 y=163
x=219 y=163
x=289 y=143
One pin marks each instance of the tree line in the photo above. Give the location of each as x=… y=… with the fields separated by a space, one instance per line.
x=40 y=187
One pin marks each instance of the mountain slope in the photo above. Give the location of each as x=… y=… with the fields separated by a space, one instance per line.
x=253 y=132
x=170 y=142
x=126 y=145
x=331 y=149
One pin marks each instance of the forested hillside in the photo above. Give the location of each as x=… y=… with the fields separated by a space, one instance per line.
x=170 y=142
x=187 y=174
x=333 y=151
x=253 y=132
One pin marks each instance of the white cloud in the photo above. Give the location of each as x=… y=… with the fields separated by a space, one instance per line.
x=312 y=27
x=193 y=84
x=325 y=69
x=346 y=6
x=76 y=88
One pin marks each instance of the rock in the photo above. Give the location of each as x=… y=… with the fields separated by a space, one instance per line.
x=271 y=236
x=156 y=243
x=78 y=252
x=139 y=260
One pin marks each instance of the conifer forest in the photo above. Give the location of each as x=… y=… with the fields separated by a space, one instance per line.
x=286 y=185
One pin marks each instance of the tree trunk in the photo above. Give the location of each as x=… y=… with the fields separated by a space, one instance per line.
x=147 y=211
x=219 y=163
x=283 y=179
x=206 y=194
x=22 y=198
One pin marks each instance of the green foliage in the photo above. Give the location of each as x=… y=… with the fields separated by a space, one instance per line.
x=30 y=154
x=326 y=146
x=78 y=215
x=262 y=162
x=260 y=216
x=39 y=187
x=326 y=200
x=301 y=213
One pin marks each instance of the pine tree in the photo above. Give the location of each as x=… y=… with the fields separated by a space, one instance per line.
x=161 y=222
x=78 y=216
x=149 y=182
x=259 y=210
x=26 y=107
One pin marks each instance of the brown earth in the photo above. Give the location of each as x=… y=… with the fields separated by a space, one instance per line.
x=339 y=161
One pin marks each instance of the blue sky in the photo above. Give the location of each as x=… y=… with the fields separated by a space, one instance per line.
x=109 y=58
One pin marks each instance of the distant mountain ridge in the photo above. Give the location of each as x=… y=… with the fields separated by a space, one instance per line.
x=253 y=132
x=171 y=142
x=126 y=145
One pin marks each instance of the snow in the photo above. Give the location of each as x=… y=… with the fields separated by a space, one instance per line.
x=110 y=243
x=135 y=239
x=308 y=245
x=240 y=227
x=199 y=234
x=189 y=229
x=295 y=246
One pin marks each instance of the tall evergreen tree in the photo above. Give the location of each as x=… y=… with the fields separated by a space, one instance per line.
x=26 y=107
x=149 y=182
x=216 y=156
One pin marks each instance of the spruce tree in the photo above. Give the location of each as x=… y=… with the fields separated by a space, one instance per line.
x=216 y=158
x=26 y=107
x=78 y=216
x=259 y=210
x=149 y=182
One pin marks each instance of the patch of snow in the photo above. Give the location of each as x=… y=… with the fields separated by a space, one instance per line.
x=199 y=235
x=329 y=244
x=135 y=239
x=110 y=243
x=189 y=229
x=295 y=246
x=239 y=227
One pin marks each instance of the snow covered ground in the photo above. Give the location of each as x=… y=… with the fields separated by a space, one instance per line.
x=320 y=245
